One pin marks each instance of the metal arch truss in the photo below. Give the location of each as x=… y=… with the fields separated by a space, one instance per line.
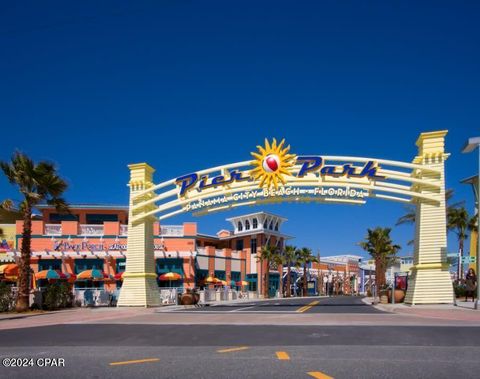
x=403 y=182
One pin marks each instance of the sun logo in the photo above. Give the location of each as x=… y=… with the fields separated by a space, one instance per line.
x=271 y=163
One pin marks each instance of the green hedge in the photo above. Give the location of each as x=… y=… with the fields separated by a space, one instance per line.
x=57 y=296
x=7 y=300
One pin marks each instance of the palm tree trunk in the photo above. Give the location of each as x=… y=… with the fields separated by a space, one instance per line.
x=288 y=280
x=305 y=280
x=22 y=304
x=267 y=280
x=460 y=263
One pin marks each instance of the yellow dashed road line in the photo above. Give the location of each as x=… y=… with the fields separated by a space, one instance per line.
x=308 y=306
x=282 y=355
x=135 y=361
x=319 y=375
x=233 y=349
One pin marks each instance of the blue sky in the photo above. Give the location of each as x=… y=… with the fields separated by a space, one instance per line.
x=188 y=85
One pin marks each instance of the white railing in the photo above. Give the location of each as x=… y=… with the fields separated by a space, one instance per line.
x=171 y=230
x=123 y=230
x=91 y=230
x=53 y=229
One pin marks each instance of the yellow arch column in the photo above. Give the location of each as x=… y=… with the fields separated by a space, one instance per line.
x=139 y=287
x=430 y=282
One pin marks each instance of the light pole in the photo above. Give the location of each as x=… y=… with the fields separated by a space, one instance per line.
x=472 y=144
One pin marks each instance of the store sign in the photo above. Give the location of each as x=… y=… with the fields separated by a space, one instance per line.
x=272 y=164
x=97 y=246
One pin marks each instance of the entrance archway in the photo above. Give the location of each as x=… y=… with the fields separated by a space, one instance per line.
x=276 y=175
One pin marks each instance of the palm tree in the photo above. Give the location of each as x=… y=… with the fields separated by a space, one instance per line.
x=268 y=254
x=304 y=258
x=459 y=221
x=36 y=183
x=289 y=258
x=381 y=248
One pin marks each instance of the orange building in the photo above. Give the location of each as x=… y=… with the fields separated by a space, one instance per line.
x=95 y=237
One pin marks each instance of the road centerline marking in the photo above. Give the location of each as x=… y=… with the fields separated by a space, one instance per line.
x=319 y=375
x=134 y=361
x=232 y=349
x=282 y=356
x=308 y=306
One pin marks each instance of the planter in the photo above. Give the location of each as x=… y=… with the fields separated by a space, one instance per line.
x=399 y=296
x=383 y=294
x=189 y=298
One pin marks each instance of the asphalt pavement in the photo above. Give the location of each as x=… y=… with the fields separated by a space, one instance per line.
x=340 y=304
x=105 y=350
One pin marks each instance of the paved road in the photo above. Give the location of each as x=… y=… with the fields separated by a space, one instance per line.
x=341 y=304
x=247 y=351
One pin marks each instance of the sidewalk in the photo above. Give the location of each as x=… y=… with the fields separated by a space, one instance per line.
x=463 y=311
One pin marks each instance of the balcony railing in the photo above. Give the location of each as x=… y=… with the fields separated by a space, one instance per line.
x=91 y=230
x=171 y=230
x=53 y=229
x=123 y=230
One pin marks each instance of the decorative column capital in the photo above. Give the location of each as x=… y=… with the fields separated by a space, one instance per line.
x=431 y=147
x=141 y=176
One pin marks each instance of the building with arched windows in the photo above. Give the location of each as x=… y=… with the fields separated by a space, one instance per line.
x=95 y=237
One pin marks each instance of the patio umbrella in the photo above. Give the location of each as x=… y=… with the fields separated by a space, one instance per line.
x=118 y=276
x=10 y=271
x=211 y=280
x=170 y=276
x=242 y=283
x=93 y=274
x=47 y=274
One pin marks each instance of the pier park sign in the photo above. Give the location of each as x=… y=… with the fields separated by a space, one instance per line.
x=275 y=174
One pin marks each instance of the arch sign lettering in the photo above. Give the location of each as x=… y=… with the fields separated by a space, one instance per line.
x=273 y=174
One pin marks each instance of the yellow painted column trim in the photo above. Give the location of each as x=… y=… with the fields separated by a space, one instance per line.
x=139 y=275
x=428 y=266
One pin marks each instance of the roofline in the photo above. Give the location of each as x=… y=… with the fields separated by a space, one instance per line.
x=87 y=206
x=256 y=232
x=257 y=213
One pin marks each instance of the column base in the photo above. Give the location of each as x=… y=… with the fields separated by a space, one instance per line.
x=429 y=285
x=139 y=291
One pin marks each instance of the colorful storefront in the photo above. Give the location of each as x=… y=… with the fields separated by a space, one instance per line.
x=66 y=243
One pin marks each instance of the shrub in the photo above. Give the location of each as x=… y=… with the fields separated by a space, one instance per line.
x=7 y=298
x=56 y=296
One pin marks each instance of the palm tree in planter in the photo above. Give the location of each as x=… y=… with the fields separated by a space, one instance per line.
x=304 y=258
x=289 y=258
x=268 y=254
x=459 y=221
x=380 y=246
x=37 y=183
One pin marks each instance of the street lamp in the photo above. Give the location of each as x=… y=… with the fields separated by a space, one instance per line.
x=472 y=144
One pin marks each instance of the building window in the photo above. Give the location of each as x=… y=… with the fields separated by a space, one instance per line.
x=254 y=223
x=235 y=276
x=253 y=246
x=50 y=264
x=252 y=282
x=247 y=225
x=121 y=263
x=239 y=244
x=265 y=224
x=57 y=217
x=88 y=264
x=98 y=219
x=271 y=226
x=220 y=274
x=240 y=226
x=276 y=226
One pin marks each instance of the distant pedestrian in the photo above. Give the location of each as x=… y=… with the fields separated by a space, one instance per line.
x=330 y=284
x=470 y=284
